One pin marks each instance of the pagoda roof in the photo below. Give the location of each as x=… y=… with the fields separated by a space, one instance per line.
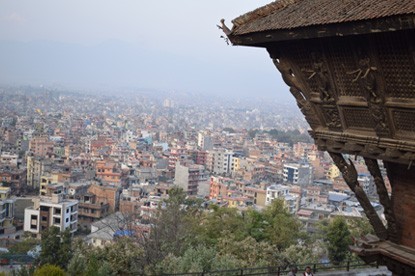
x=291 y=14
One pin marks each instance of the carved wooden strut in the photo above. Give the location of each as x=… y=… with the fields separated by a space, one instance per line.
x=350 y=176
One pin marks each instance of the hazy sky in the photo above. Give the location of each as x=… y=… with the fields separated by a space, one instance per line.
x=106 y=44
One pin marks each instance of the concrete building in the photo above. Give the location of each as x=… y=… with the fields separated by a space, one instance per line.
x=283 y=192
x=7 y=204
x=298 y=174
x=36 y=167
x=51 y=211
x=189 y=177
x=204 y=141
x=222 y=161
x=8 y=159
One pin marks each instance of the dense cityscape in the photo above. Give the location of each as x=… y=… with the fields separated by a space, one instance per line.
x=102 y=167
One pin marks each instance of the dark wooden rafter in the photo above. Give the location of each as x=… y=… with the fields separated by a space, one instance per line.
x=373 y=167
x=349 y=173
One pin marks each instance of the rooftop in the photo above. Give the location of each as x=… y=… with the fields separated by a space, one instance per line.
x=290 y=14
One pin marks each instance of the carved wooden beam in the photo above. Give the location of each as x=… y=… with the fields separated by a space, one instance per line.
x=350 y=176
x=384 y=199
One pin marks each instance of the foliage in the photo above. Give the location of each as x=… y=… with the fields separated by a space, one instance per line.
x=169 y=229
x=282 y=229
x=288 y=136
x=338 y=240
x=218 y=221
x=186 y=237
x=77 y=265
x=302 y=254
x=248 y=251
x=56 y=247
x=23 y=246
x=124 y=257
x=24 y=271
x=49 y=270
x=198 y=259
x=360 y=227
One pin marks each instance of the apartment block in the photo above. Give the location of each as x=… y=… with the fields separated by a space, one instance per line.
x=51 y=211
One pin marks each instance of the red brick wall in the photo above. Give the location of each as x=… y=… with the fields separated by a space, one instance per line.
x=403 y=199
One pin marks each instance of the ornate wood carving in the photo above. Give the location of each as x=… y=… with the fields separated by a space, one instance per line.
x=296 y=90
x=366 y=76
x=321 y=75
x=350 y=176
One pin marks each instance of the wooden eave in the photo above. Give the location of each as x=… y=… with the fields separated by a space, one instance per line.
x=387 y=24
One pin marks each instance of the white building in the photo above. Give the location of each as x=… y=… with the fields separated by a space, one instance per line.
x=283 y=192
x=51 y=211
x=299 y=174
x=204 y=141
x=222 y=161
x=6 y=158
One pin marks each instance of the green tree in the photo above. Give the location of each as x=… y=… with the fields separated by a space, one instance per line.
x=56 y=247
x=248 y=251
x=170 y=229
x=219 y=221
x=338 y=240
x=124 y=257
x=23 y=246
x=302 y=254
x=77 y=265
x=282 y=228
x=256 y=224
x=49 y=270
x=198 y=259
x=360 y=227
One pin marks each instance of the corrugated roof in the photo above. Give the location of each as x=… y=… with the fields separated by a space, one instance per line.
x=289 y=14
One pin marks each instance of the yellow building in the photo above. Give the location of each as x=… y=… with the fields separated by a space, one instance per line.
x=333 y=172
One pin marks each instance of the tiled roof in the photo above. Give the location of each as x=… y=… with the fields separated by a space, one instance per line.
x=289 y=14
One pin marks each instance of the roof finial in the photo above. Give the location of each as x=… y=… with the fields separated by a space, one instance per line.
x=224 y=28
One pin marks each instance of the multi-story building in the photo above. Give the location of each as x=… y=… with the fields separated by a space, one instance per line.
x=222 y=161
x=204 y=141
x=256 y=194
x=36 y=167
x=108 y=171
x=41 y=146
x=51 y=211
x=91 y=209
x=298 y=174
x=292 y=201
x=176 y=154
x=189 y=177
x=107 y=193
x=221 y=186
x=9 y=159
x=6 y=211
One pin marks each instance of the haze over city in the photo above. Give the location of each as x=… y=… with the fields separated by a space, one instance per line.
x=132 y=45
x=136 y=140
